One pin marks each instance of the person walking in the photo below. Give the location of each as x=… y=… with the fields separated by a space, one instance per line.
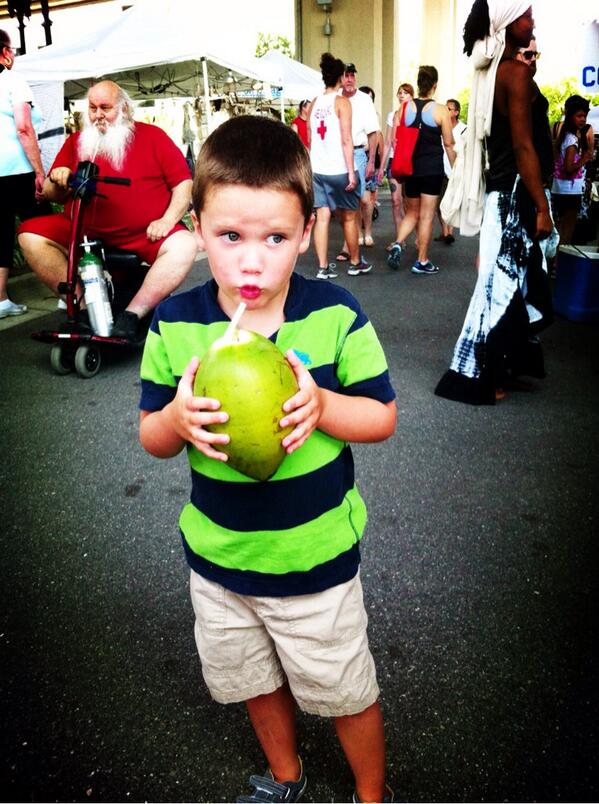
x=454 y=108
x=509 y=204
x=423 y=187
x=365 y=129
x=21 y=171
x=405 y=92
x=336 y=183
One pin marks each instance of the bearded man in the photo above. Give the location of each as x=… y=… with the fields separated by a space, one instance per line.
x=144 y=218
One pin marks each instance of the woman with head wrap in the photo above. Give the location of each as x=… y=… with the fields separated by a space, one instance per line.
x=503 y=180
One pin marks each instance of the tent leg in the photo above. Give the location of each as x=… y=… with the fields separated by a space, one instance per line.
x=207 y=105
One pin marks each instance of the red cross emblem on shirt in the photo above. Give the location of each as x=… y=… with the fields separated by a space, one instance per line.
x=322 y=129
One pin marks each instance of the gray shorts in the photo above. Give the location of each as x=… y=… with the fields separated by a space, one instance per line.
x=250 y=646
x=329 y=191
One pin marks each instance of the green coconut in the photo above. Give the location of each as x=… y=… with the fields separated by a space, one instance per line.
x=252 y=379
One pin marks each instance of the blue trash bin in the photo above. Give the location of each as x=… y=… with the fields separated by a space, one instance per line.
x=576 y=292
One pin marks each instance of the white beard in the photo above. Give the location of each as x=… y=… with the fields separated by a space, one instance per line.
x=112 y=144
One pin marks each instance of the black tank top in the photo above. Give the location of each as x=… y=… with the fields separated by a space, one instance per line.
x=427 y=159
x=502 y=161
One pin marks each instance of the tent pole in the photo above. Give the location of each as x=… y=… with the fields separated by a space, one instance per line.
x=282 y=106
x=207 y=95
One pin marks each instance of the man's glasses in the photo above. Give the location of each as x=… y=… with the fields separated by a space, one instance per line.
x=529 y=55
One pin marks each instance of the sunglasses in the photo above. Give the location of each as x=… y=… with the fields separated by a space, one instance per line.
x=529 y=55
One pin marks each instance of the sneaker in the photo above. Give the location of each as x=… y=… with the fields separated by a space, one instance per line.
x=126 y=326
x=389 y=796
x=266 y=789
x=394 y=257
x=361 y=240
x=361 y=267
x=424 y=268
x=8 y=308
x=328 y=272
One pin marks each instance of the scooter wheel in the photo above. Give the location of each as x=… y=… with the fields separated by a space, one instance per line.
x=87 y=361
x=61 y=359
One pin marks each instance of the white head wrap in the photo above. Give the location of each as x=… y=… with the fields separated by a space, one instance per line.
x=464 y=204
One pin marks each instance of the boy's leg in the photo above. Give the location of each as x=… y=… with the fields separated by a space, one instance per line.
x=362 y=738
x=273 y=719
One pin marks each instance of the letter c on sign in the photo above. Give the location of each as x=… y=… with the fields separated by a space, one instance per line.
x=588 y=76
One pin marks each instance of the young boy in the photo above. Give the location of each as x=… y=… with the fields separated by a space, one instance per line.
x=275 y=581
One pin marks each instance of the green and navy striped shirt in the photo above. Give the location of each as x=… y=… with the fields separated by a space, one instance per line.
x=298 y=532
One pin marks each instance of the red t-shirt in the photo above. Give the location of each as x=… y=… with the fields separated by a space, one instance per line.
x=302 y=129
x=155 y=166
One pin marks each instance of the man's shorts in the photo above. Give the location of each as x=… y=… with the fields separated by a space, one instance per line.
x=415 y=186
x=360 y=163
x=57 y=228
x=250 y=646
x=329 y=191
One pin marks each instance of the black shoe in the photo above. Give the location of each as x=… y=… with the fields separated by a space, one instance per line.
x=126 y=326
x=81 y=326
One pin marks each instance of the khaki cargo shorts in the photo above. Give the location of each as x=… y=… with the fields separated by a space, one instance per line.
x=250 y=646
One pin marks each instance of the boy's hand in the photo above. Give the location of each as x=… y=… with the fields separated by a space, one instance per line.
x=304 y=409
x=190 y=414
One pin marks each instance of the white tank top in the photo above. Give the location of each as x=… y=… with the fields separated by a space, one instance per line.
x=326 y=153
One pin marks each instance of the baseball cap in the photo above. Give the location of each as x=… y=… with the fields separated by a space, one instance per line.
x=350 y=68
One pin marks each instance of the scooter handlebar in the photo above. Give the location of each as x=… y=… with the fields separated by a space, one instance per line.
x=114 y=180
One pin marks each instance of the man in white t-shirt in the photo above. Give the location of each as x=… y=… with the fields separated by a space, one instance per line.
x=365 y=125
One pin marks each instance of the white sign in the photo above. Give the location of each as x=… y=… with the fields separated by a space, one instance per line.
x=589 y=71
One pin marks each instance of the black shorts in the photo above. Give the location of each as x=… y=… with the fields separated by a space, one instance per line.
x=415 y=186
x=18 y=199
x=562 y=202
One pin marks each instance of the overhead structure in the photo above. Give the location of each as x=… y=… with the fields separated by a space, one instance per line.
x=160 y=48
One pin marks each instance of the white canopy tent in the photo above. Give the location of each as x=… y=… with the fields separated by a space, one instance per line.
x=162 y=48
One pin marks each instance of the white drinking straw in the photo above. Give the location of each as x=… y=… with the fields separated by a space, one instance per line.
x=235 y=320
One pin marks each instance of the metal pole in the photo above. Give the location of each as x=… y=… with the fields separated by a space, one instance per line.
x=47 y=23
x=207 y=95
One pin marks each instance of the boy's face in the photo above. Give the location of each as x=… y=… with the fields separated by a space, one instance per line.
x=253 y=237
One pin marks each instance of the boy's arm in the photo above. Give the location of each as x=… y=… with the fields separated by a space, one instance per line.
x=348 y=418
x=163 y=433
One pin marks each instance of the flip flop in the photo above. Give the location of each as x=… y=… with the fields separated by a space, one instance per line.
x=343 y=256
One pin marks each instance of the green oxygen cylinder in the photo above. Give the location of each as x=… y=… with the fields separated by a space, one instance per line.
x=95 y=290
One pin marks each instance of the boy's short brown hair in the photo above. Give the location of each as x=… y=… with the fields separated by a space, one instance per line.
x=256 y=152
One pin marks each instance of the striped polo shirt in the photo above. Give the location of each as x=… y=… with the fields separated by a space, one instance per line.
x=298 y=532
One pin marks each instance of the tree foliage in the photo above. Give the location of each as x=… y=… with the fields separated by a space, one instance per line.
x=268 y=42
x=556 y=95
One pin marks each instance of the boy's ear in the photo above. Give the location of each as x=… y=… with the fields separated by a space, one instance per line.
x=197 y=230
x=305 y=241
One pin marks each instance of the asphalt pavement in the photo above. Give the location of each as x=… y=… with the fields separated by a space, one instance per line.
x=479 y=569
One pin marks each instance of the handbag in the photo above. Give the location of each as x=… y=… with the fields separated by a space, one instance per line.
x=403 y=149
